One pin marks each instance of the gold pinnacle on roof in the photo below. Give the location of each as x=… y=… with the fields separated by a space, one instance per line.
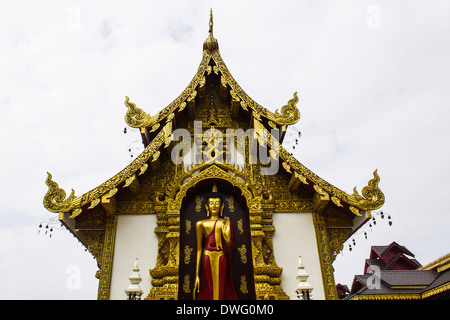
x=211 y=23
x=210 y=43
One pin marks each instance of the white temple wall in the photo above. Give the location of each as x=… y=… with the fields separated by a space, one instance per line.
x=135 y=238
x=295 y=236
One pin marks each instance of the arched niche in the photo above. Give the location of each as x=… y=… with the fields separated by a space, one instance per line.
x=235 y=207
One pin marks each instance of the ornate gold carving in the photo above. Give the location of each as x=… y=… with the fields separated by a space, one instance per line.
x=355 y=211
x=372 y=198
x=187 y=254
x=243 y=284
x=183 y=105
x=192 y=96
x=94 y=203
x=55 y=198
x=187 y=284
x=144 y=167
x=188 y=226
x=243 y=252
x=413 y=296
x=326 y=257
x=289 y=113
x=155 y=127
x=135 y=207
x=108 y=202
x=287 y=167
x=198 y=203
x=104 y=286
x=170 y=117
x=240 y=227
x=135 y=117
x=337 y=237
x=336 y=201
x=230 y=201
x=217 y=170
x=133 y=183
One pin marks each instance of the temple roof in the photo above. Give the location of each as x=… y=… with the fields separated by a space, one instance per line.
x=405 y=281
x=157 y=133
x=380 y=251
x=289 y=115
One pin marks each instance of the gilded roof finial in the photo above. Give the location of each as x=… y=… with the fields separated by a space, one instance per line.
x=210 y=43
x=211 y=23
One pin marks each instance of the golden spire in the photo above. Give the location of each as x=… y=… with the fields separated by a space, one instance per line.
x=211 y=23
x=210 y=43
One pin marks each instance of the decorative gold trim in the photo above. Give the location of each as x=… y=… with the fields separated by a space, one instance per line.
x=387 y=297
x=198 y=203
x=55 y=201
x=243 y=286
x=440 y=264
x=408 y=287
x=442 y=288
x=372 y=198
x=55 y=198
x=199 y=172
x=230 y=201
x=326 y=257
x=104 y=286
x=243 y=252
x=187 y=254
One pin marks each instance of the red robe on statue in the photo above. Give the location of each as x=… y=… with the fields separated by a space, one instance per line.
x=219 y=284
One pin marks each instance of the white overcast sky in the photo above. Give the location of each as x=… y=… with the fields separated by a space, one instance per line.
x=373 y=78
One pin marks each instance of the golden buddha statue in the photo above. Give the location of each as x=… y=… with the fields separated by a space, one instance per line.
x=215 y=241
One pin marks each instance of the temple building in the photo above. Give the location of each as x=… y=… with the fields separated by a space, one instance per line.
x=214 y=196
x=393 y=273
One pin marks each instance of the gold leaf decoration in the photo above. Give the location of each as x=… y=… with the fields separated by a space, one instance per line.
x=134 y=117
x=289 y=113
x=372 y=197
x=55 y=198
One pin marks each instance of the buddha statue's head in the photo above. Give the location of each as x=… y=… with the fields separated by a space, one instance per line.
x=214 y=205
